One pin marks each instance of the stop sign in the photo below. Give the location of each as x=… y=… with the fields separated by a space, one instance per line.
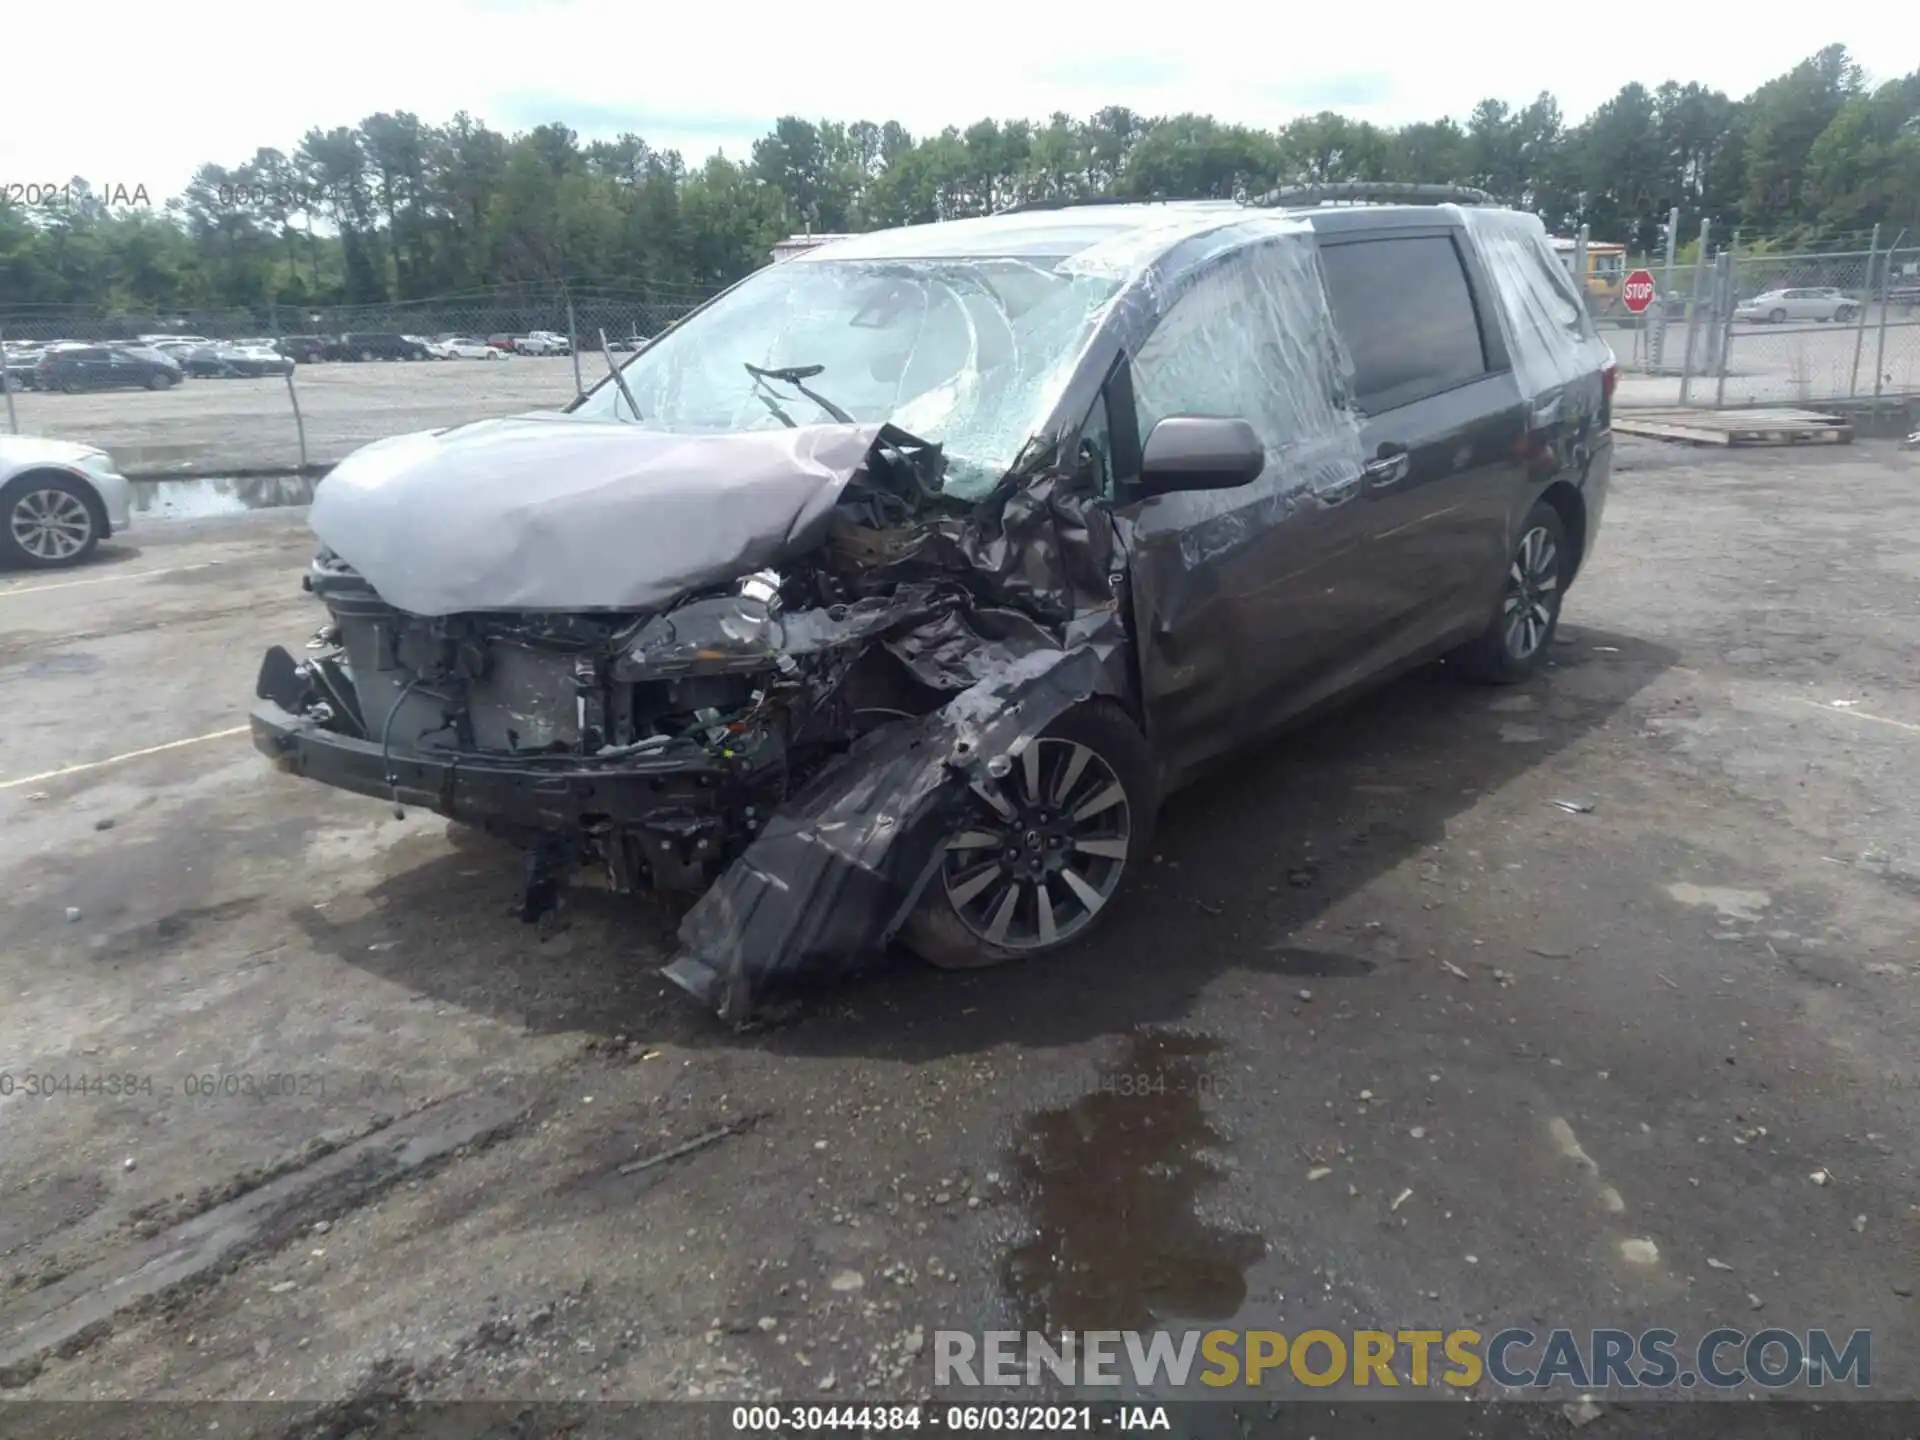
x=1637 y=293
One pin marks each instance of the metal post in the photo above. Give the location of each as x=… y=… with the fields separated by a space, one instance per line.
x=1723 y=318
x=1693 y=310
x=1580 y=268
x=293 y=395
x=1666 y=289
x=573 y=348
x=6 y=384
x=1886 y=304
x=1860 y=330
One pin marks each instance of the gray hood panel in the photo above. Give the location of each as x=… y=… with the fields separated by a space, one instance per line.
x=544 y=512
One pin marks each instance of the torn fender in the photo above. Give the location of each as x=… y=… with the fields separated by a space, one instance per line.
x=840 y=867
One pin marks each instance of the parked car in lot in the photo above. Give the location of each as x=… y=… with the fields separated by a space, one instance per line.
x=58 y=501
x=1776 y=307
x=19 y=367
x=379 y=345
x=1024 y=521
x=245 y=360
x=465 y=347
x=543 y=342
x=627 y=344
x=302 y=349
x=106 y=367
x=502 y=341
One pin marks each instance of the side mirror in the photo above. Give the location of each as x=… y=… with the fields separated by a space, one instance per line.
x=1200 y=452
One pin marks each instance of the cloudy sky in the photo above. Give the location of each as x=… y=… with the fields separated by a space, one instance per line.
x=140 y=95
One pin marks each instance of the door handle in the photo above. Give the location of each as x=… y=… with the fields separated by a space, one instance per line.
x=1340 y=491
x=1387 y=471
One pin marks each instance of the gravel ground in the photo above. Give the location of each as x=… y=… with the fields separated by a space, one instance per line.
x=214 y=427
x=1795 y=364
x=1432 y=1050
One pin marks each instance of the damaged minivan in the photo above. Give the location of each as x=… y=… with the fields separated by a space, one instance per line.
x=887 y=595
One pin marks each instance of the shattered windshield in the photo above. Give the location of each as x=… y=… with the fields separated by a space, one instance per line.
x=970 y=353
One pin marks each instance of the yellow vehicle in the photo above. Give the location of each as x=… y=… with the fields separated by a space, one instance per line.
x=1606 y=274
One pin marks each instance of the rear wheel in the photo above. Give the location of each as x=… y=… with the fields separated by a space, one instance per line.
x=1777 y=317
x=1515 y=641
x=159 y=380
x=1047 y=849
x=46 y=521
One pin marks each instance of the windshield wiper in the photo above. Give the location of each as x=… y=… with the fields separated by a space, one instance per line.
x=764 y=394
x=606 y=353
x=793 y=375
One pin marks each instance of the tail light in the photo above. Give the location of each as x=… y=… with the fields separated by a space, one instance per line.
x=1609 y=378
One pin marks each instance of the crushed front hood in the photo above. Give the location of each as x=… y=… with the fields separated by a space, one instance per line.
x=546 y=512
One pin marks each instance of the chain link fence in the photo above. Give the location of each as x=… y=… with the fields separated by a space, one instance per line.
x=262 y=425
x=1759 y=329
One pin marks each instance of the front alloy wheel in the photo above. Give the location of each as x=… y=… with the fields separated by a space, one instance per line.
x=49 y=524
x=1047 y=853
x=1046 y=849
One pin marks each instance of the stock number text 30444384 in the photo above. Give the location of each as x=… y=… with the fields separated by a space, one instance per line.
x=1198 y=1084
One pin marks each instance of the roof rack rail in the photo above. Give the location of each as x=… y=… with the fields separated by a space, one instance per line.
x=1375 y=192
x=1074 y=203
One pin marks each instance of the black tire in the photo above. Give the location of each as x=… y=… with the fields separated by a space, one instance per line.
x=1516 y=642
x=159 y=380
x=1844 y=314
x=365 y=356
x=1776 y=317
x=1102 y=748
x=43 y=493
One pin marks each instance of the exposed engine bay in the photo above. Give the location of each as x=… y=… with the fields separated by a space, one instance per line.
x=703 y=746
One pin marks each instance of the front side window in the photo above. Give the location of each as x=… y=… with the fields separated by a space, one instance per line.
x=1407 y=315
x=969 y=353
x=1249 y=342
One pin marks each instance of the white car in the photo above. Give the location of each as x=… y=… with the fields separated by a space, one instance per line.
x=542 y=342
x=58 y=500
x=464 y=348
x=1776 y=307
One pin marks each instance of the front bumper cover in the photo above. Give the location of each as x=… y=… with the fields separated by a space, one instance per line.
x=520 y=793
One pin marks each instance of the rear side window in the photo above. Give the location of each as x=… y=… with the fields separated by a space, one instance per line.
x=1407 y=315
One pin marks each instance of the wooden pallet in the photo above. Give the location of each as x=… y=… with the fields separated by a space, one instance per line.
x=1736 y=427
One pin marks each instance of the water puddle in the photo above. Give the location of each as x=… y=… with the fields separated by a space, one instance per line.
x=209 y=496
x=1110 y=1183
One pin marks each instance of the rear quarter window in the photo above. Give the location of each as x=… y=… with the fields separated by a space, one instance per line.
x=1548 y=331
x=1403 y=306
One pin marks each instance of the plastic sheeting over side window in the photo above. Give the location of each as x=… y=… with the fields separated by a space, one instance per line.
x=1252 y=338
x=1548 y=332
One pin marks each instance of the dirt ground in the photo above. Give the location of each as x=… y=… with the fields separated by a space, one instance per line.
x=214 y=427
x=1434 y=1049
